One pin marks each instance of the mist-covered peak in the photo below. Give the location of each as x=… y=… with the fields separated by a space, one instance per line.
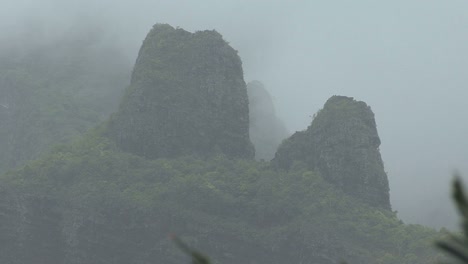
x=187 y=96
x=260 y=98
x=266 y=129
x=342 y=143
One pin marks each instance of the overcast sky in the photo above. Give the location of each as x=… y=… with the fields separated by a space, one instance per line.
x=407 y=59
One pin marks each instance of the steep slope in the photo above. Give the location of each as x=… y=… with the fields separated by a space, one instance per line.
x=343 y=145
x=52 y=92
x=187 y=96
x=89 y=203
x=266 y=129
x=92 y=202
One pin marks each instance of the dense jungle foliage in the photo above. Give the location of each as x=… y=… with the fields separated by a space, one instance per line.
x=101 y=199
x=89 y=203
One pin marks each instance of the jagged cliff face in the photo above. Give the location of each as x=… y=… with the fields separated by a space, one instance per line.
x=342 y=143
x=187 y=96
x=266 y=129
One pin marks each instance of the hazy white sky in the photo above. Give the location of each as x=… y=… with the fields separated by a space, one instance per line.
x=407 y=59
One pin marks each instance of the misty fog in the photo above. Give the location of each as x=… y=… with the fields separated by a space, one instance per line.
x=406 y=59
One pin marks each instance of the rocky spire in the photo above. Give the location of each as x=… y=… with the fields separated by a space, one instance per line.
x=187 y=96
x=342 y=143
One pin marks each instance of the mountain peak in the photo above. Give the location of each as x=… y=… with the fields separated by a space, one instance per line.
x=342 y=144
x=187 y=96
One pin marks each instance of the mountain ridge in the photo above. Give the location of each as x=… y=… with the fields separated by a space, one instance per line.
x=92 y=201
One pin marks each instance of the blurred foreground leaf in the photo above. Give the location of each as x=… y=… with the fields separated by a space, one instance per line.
x=456 y=245
x=197 y=257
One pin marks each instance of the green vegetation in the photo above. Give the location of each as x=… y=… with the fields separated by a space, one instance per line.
x=456 y=245
x=99 y=203
x=176 y=158
x=342 y=144
x=187 y=97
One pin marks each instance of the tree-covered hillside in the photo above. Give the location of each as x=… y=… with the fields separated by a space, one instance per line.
x=90 y=203
x=176 y=158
